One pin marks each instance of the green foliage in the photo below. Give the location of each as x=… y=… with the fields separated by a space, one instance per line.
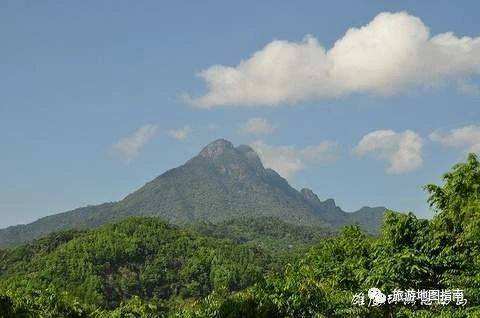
x=284 y=242
x=456 y=227
x=135 y=308
x=410 y=253
x=143 y=267
x=45 y=304
x=141 y=257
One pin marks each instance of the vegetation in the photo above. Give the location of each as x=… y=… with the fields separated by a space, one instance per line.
x=138 y=256
x=410 y=253
x=222 y=182
x=283 y=241
x=143 y=267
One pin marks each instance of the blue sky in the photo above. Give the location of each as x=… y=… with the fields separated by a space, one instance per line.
x=93 y=94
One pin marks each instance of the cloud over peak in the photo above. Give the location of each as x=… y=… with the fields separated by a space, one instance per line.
x=402 y=151
x=288 y=160
x=130 y=146
x=393 y=52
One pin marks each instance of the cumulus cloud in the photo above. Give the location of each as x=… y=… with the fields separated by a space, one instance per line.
x=288 y=160
x=257 y=126
x=393 y=52
x=467 y=137
x=402 y=151
x=181 y=133
x=130 y=146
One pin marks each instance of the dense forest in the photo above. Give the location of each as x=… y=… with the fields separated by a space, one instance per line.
x=145 y=267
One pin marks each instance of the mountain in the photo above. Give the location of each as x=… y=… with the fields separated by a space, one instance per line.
x=220 y=183
x=368 y=218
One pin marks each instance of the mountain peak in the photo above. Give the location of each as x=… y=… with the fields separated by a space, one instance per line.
x=251 y=156
x=216 y=148
x=245 y=149
x=313 y=199
x=221 y=183
x=330 y=203
x=309 y=195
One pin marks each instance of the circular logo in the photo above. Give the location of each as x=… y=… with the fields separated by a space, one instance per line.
x=376 y=296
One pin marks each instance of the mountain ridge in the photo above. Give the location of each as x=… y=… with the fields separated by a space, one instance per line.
x=222 y=182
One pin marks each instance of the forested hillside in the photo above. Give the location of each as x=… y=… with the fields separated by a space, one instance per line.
x=143 y=267
x=222 y=182
x=138 y=256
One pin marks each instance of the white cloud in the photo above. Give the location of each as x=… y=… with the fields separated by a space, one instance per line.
x=257 y=126
x=130 y=146
x=181 y=133
x=467 y=137
x=402 y=151
x=288 y=160
x=393 y=52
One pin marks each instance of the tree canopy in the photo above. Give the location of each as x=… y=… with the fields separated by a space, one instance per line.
x=144 y=267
